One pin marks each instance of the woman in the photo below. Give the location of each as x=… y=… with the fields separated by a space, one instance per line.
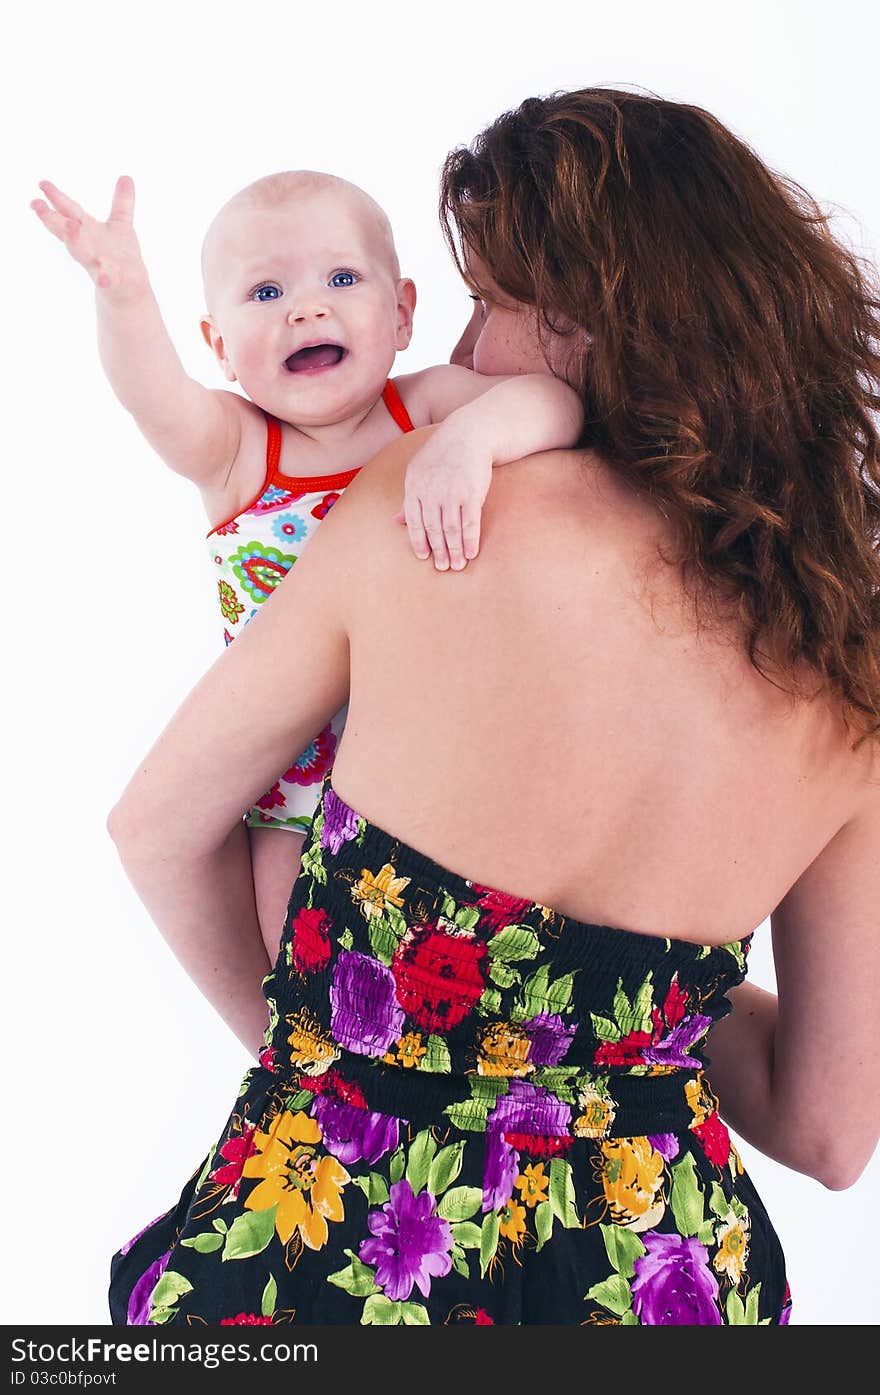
x=644 y=720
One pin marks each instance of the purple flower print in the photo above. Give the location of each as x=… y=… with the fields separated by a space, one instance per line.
x=666 y=1144
x=139 y=1304
x=525 y=1109
x=674 y=1285
x=352 y=1134
x=672 y=1050
x=365 y=1014
x=550 y=1038
x=409 y=1244
x=340 y=822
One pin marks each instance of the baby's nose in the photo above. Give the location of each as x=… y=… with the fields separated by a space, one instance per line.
x=315 y=310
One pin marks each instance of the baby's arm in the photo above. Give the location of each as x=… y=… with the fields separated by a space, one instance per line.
x=194 y=429
x=485 y=422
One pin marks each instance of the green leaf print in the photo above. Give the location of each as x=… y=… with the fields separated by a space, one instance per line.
x=752 y=1298
x=469 y=1115
x=718 y=1201
x=543 y=1222
x=205 y=1243
x=421 y=1155
x=490 y=1003
x=629 y=1319
x=514 y=942
x=383 y=940
x=447 y=908
x=374 y=1188
x=346 y=939
x=736 y=1313
x=623 y=1247
x=686 y=1198
x=170 y=1287
x=488 y=1240
x=269 y=1299
x=397 y=921
x=559 y=993
x=556 y=1078
x=459 y=1262
x=467 y=1235
x=460 y=1203
x=561 y=1193
x=613 y=1293
x=379 y=1311
x=301 y=1100
x=533 y=998
x=357 y=1278
x=397 y=1164
x=250 y=1233
x=503 y=974
x=312 y=858
x=436 y=1058
x=706 y=1232
x=467 y=917
x=219 y=1224
x=414 y=1315
x=445 y=1167
x=604 y=1029
x=642 y=1005
x=163 y=1314
x=735 y=948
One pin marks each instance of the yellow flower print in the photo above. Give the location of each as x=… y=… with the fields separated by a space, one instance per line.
x=377 y=893
x=733 y=1247
x=313 y=1051
x=632 y=1179
x=503 y=1050
x=513 y=1221
x=407 y=1051
x=533 y=1184
x=596 y=1116
x=701 y=1099
x=306 y=1187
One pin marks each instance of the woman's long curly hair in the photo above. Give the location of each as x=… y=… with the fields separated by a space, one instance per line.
x=726 y=349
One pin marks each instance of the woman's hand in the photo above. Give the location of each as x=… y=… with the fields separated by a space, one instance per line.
x=109 y=251
x=446 y=486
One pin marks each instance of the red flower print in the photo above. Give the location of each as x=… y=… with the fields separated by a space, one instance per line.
x=246 y=1320
x=675 y=1006
x=553 y=1146
x=236 y=1151
x=321 y=510
x=715 y=1139
x=482 y=1318
x=310 y=942
x=267 y=1058
x=499 y=909
x=439 y=976
x=273 y=798
x=332 y=1083
x=626 y=1052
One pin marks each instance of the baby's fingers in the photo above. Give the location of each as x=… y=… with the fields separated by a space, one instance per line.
x=435 y=529
x=451 y=516
x=61 y=201
x=412 y=514
x=470 y=529
x=122 y=207
x=62 y=227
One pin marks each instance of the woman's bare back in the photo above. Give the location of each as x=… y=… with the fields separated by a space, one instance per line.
x=553 y=721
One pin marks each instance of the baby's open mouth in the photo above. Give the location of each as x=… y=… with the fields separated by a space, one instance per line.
x=315 y=356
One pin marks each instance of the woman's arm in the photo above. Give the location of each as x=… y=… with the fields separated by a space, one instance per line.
x=178 y=825
x=797 y=1076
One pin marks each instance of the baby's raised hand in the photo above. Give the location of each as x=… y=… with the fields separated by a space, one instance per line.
x=446 y=485
x=108 y=251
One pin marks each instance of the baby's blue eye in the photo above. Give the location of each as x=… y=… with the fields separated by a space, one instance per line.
x=343 y=278
x=266 y=293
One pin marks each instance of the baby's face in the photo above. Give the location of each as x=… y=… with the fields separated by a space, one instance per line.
x=307 y=308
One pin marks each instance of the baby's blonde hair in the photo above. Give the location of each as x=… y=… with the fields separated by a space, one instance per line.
x=273 y=190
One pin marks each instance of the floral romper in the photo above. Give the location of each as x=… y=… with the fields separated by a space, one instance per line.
x=470 y=1108
x=253 y=552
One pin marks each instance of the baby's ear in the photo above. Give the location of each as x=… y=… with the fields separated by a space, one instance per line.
x=406 y=304
x=214 y=341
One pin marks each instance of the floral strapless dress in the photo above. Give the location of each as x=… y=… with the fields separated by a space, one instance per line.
x=470 y=1108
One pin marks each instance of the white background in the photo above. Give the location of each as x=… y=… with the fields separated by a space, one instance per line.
x=119 y=1075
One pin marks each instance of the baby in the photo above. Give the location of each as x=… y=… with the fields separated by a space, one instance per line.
x=306 y=311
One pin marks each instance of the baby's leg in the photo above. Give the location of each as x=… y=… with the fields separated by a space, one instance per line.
x=275 y=858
